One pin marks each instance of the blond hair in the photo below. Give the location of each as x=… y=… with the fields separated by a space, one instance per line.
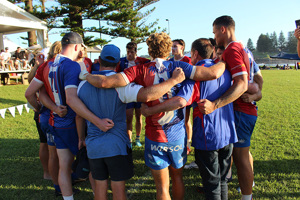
x=159 y=45
x=54 y=50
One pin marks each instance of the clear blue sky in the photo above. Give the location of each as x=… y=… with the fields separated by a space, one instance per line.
x=192 y=19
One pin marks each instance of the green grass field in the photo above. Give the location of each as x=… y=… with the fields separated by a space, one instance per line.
x=275 y=148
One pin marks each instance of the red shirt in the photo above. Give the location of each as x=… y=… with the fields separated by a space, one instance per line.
x=237 y=62
x=88 y=63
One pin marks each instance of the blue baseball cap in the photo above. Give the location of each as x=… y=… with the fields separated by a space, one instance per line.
x=110 y=53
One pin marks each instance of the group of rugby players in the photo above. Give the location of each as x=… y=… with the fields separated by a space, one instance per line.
x=88 y=113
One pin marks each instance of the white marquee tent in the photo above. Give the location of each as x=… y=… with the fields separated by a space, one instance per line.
x=15 y=20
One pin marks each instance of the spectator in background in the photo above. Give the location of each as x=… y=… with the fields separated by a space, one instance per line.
x=84 y=62
x=5 y=58
x=178 y=46
x=20 y=57
x=131 y=60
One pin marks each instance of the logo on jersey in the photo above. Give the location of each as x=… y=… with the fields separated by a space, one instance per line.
x=166 y=149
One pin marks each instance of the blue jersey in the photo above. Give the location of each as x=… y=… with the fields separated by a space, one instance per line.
x=217 y=129
x=111 y=104
x=58 y=76
x=254 y=68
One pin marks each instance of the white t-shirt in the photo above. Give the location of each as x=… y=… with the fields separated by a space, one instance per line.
x=5 y=56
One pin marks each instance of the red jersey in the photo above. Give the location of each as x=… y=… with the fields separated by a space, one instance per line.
x=165 y=126
x=183 y=59
x=237 y=62
x=88 y=63
x=124 y=63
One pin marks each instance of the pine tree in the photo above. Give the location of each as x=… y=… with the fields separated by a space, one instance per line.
x=250 y=45
x=291 y=45
x=281 y=42
x=123 y=18
x=264 y=43
x=274 y=40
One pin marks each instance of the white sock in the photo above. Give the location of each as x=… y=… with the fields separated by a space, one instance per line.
x=68 y=197
x=247 y=197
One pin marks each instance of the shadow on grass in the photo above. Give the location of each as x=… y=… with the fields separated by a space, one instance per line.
x=11 y=102
x=21 y=176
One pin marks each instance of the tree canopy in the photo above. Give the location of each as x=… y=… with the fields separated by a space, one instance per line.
x=126 y=18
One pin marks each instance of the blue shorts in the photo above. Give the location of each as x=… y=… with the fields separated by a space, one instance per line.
x=46 y=129
x=244 y=125
x=66 y=138
x=133 y=105
x=160 y=155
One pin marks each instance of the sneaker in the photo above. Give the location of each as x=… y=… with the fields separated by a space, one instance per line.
x=58 y=193
x=138 y=143
x=188 y=150
x=239 y=188
x=192 y=165
x=229 y=179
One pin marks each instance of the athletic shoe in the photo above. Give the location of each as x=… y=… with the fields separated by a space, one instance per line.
x=229 y=179
x=188 y=150
x=239 y=188
x=138 y=143
x=192 y=165
x=58 y=193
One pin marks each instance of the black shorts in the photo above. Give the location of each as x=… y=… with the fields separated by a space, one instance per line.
x=118 y=168
x=42 y=135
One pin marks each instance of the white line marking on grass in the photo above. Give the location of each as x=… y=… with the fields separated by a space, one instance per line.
x=139 y=183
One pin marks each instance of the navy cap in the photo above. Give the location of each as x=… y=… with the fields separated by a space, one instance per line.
x=72 y=38
x=110 y=53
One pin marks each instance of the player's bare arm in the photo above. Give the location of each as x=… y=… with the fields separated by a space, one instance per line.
x=30 y=95
x=297 y=35
x=154 y=92
x=250 y=97
x=174 y=103
x=80 y=126
x=209 y=73
x=61 y=110
x=239 y=86
x=78 y=106
x=101 y=81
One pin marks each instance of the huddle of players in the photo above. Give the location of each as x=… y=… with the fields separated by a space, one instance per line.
x=159 y=83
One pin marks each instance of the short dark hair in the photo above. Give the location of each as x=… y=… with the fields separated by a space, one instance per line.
x=104 y=63
x=204 y=47
x=220 y=47
x=224 y=20
x=213 y=42
x=131 y=45
x=181 y=42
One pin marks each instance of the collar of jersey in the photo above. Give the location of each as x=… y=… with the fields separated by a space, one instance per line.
x=159 y=63
x=205 y=62
x=58 y=58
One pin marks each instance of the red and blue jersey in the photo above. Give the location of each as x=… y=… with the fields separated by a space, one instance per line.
x=183 y=59
x=124 y=63
x=166 y=126
x=237 y=63
x=254 y=68
x=217 y=129
x=88 y=64
x=57 y=76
